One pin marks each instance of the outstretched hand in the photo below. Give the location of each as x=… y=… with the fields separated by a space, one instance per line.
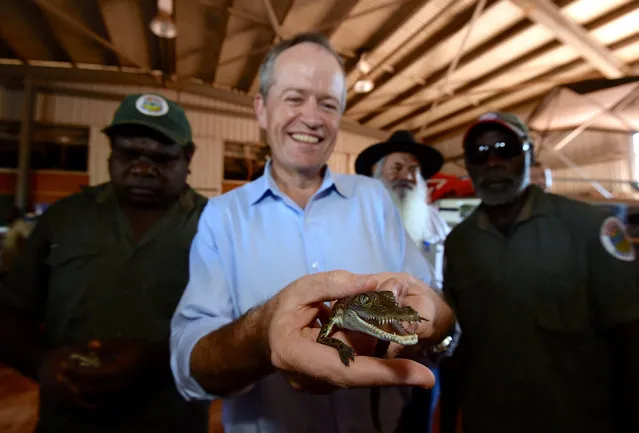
x=292 y=335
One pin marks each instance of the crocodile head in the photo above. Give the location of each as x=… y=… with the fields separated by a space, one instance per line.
x=377 y=313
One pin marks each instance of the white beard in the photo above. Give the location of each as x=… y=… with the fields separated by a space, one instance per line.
x=414 y=210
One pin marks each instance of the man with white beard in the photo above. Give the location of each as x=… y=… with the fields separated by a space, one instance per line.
x=403 y=165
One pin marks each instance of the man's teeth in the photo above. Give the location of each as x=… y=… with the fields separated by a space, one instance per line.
x=305 y=138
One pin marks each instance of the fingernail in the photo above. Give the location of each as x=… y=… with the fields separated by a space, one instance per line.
x=397 y=288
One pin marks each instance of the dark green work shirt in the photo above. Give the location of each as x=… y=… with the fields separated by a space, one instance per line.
x=85 y=277
x=535 y=308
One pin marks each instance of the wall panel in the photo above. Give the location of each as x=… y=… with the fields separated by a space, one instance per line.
x=612 y=175
x=98 y=153
x=212 y=121
x=339 y=163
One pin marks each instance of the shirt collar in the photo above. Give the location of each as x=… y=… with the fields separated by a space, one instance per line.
x=537 y=204
x=265 y=186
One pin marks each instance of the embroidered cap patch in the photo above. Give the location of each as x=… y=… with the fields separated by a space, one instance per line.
x=615 y=239
x=152 y=105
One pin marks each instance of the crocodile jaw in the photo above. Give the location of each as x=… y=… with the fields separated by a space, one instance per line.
x=352 y=321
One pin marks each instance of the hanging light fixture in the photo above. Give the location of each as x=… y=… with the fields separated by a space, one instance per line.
x=163 y=25
x=363 y=85
x=363 y=65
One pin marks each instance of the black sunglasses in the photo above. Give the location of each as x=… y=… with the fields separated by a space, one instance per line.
x=507 y=149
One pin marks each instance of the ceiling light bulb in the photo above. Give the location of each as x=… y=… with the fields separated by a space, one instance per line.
x=363 y=86
x=364 y=66
x=162 y=25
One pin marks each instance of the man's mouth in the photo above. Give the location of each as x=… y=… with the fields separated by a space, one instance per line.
x=305 y=138
x=141 y=191
x=403 y=186
x=497 y=183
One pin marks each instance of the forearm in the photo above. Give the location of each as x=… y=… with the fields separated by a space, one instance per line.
x=235 y=356
x=21 y=342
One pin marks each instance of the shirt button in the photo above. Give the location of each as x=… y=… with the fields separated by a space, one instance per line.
x=315 y=265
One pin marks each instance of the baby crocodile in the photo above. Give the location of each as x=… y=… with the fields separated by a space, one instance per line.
x=375 y=313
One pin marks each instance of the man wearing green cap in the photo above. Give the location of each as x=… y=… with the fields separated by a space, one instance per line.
x=545 y=290
x=87 y=308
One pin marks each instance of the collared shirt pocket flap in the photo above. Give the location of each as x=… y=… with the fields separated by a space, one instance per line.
x=562 y=306
x=62 y=255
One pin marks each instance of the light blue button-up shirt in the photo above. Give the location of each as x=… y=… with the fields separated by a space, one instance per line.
x=254 y=241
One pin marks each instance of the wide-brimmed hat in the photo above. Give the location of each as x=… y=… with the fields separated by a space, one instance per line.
x=430 y=159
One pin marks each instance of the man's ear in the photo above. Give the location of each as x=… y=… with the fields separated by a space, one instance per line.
x=189 y=151
x=259 y=105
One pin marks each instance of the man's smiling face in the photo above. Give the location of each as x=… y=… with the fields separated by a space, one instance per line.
x=303 y=108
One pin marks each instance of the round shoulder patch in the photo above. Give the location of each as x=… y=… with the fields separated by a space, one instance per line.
x=152 y=105
x=615 y=240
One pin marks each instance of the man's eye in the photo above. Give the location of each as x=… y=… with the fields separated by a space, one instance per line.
x=128 y=154
x=164 y=159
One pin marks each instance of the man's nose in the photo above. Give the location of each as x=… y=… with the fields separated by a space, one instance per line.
x=144 y=168
x=494 y=160
x=310 y=114
x=407 y=174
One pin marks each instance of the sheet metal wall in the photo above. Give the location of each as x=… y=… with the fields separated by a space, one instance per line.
x=210 y=130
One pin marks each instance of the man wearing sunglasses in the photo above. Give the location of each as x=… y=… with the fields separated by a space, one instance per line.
x=545 y=290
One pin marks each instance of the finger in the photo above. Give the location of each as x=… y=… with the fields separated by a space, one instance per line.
x=306 y=384
x=363 y=344
x=398 y=351
x=329 y=286
x=391 y=284
x=323 y=362
x=324 y=313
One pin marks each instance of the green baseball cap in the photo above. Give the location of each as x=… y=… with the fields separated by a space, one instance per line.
x=155 y=112
x=508 y=121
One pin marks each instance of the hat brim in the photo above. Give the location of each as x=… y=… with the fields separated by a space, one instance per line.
x=112 y=128
x=430 y=159
x=494 y=122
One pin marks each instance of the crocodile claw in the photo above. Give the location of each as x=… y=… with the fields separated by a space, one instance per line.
x=346 y=354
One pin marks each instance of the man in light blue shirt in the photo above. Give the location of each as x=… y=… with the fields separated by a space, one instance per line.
x=259 y=269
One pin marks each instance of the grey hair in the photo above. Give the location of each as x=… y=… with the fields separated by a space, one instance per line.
x=266 y=68
x=377 y=168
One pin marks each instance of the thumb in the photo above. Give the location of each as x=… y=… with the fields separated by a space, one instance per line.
x=335 y=285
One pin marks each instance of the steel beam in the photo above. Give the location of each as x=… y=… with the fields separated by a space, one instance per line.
x=547 y=14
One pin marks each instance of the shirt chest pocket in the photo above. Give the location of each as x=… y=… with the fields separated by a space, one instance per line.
x=562 y=305
x=71 y=270
x=561 y=286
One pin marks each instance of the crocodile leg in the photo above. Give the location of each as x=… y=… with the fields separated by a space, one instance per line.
x=346 y=353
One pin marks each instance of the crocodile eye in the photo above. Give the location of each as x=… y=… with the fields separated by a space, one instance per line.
x=363 y=299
